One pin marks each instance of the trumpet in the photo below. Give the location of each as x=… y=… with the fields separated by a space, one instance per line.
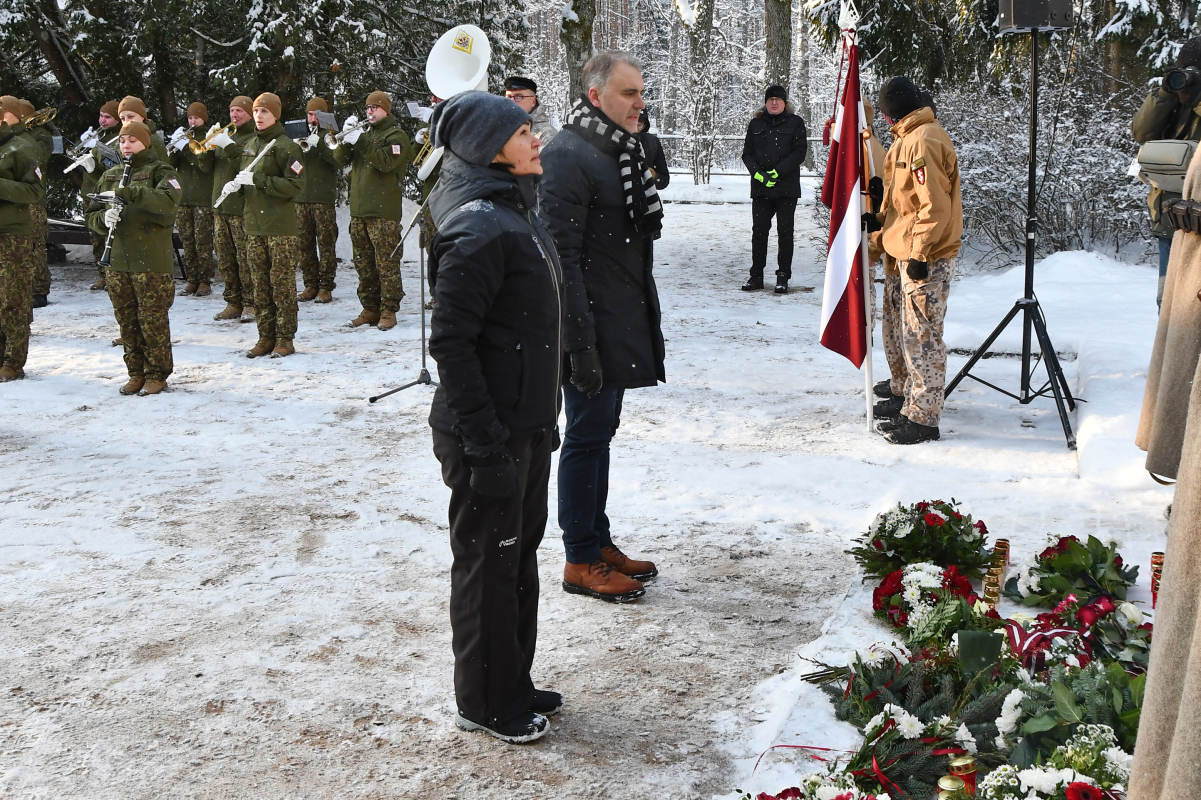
x=332 y=140
x=203 y=146
x=84 y=150
x=307 y=143
x=40 y=117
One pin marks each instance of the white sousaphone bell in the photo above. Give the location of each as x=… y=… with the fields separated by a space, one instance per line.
x=458 y=63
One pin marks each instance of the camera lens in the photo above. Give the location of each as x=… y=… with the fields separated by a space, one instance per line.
x=1176 y=80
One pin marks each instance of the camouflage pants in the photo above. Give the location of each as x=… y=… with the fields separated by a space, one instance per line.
x=195 y=225
x=318 y=234
x=923 y=309
x=373 y=240
x=16 y=300
x=891 y=332
x=37 y=252
x=140 y=304
x=229 y=237
x=274 y=261
x=97 y=250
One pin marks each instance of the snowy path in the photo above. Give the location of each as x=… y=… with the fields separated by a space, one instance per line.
x=238 y=589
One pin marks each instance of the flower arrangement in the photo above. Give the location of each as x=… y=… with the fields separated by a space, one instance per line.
x=928 y=531
x=1068 y=566
x=1089 y=766
x=833 y=784
x=929 y=602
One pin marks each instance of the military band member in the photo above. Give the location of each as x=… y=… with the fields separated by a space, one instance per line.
x=94 y=165
x=132 y=109
x=195 y=217
x=20 y=188
x=43 y=145
x=315 y=216
x=229 y=235
x=270 y=190
x=378 y=157
x=140 y=284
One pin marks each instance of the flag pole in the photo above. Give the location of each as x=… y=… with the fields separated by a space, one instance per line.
x=869 y=167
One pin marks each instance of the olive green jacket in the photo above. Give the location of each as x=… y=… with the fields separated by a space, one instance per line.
x=225 y=165
x=195 y=173
x=20 y=184
x=35 y=147
x=320 y=175
x=278 y=181
x=1163 y=117
x=92 y=179
x=142 y=240
x=378 y=162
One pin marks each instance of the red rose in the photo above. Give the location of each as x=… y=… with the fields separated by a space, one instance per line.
x=992 y=614
x=879 y=545
x=979 y=525
x=959 y=584
x=956 y=515
x=1065 y=543
x=898 y=617
x=1050 y=552
x=1117 y=561
x=1104 y=605
x=1087 y=616
x=1146 y=626
x=890 y=586
x=1046 y=620
x=921 y=507
x=933 y=520
x=791 y=793
x=1082 y=791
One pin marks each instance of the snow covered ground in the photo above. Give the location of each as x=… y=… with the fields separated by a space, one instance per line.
x=238 y=589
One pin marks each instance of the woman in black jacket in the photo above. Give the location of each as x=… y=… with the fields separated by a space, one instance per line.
x=496 y=335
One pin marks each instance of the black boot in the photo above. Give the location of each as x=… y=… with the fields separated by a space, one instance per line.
x=40 y=301
x=781 y=285
x=883 y=390
x=525 y=728
x=888 y=409
x=753 y=284
x=546 y=702
x=889 y=425
x=912 y=433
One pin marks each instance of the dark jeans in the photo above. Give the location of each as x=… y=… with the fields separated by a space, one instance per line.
x=584 y=471
x=494 y=579
x=1165 y=252
x=762 y=211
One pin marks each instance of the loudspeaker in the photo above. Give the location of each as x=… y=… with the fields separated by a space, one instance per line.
x=1022 y=16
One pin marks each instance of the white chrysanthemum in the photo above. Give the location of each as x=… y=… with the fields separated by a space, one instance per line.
x=874 y=724
x=911 y=594
x=1119 y=761
x=964 y=737
x=909 y=726
x=1011 y=711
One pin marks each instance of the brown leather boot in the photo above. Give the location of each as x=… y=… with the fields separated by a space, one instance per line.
x=7 y=373
x=152 y=387
x=283 y=347
x=324 y=296
x=263 y=347
x=365 y=317
x=203 y=290
x=638 y=570
x=308 y=294
x=601 y=581
x=230 y=312
x=100 y=285
x=118 y=342
x=133 y=386
x=387 y=320
x=189 y=289
x=247 y=314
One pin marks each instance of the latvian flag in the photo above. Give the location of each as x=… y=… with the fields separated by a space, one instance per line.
x=843 y=323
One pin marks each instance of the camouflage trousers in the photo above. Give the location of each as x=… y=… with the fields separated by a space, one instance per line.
x=140 y=303
x=229 y=238
x=318 y=235
x=274 y=262
x=97 y=250
x=891 y=332
x=16 y=300
x=373 y=240
x=195 y=225
x=37 y=251
x=923 y=309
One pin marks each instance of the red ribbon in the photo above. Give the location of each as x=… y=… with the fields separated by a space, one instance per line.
x=799 y=747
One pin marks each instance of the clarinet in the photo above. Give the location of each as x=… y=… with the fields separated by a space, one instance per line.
x=126 y=172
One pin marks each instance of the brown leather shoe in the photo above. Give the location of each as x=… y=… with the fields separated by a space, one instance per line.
x=387 y=320
x=133 y=386
x=324 y=296
x=100 y=285
x=263 y=347
x=7 y=373
x=638 y=570
x=230 y=312
x=365 y=317
x=601 y=581
x=283 y=347
x=152 y=387
x=308 y=294
x=189 y=289
x=247 y=314
x=203 y=290
x=118 y=342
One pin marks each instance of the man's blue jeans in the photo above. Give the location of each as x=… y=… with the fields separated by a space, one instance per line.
x=584 y=471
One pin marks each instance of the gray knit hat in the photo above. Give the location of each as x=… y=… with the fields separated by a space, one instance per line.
x=476 y=125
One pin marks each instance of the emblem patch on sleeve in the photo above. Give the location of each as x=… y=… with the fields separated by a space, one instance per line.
x=920 y=175
x=396 y=149
x=174 y=184
x=297 y=167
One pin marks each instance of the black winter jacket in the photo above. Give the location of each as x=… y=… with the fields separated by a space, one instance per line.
x=654 y=156
x=775 y=142
x=497 y=283
x=610 y=299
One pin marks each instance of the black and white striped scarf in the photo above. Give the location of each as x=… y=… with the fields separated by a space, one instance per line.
x=641 y=196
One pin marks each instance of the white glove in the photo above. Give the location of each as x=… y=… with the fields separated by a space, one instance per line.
x=89 y=138
x=88 y=163
x=112 y=217
x=231 y=188
x=350 y=122
x=352 y=137
x=244 y=178
x=312 y=139
x=422 y=135
x=179 y=144
x=221 y=140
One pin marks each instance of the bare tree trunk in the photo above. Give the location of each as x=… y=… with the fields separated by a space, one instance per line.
x=45 y=21
x=802 y=80
x=164 y=76
x=702 y=90
x=1114 y=53
x=777 y=26
x=576 y=35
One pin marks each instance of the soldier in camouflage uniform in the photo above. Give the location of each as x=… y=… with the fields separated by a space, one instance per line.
x=270 y=190
x=923 y=226
x=94 y=165
x=315 y=216
x=42 y=144
x=20 y=187
x=195 y=217
x=229 y=233
x=378 y=157
x=140 y=284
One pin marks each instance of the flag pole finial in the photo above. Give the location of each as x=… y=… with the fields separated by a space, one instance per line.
x=848 y=17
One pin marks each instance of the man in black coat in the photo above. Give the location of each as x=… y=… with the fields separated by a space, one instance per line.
x=774 y=149
x=599 y=200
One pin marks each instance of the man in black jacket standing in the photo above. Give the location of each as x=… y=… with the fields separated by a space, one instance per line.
x=774 y=149
x=601 y=205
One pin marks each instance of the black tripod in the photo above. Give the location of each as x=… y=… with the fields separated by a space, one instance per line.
x=1027 y=305
x=423 y=377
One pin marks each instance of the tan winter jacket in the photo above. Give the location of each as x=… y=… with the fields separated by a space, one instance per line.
x=921 y=182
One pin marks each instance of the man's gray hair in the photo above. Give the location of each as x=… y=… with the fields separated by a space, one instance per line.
x=599 y=68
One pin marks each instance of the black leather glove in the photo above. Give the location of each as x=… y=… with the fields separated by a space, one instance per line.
x=870 y=223
x=917 y=270
x=586 y=371
x=493 y=472
x=875 y=190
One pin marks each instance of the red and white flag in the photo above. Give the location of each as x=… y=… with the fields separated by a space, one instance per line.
x=844 y=325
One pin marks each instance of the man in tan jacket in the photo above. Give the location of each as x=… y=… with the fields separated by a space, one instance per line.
x=923 y=224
